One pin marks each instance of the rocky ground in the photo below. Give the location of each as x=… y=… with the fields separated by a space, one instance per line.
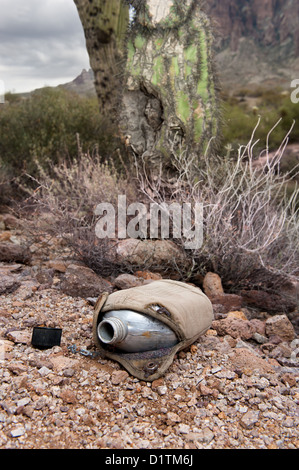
x=237 y=387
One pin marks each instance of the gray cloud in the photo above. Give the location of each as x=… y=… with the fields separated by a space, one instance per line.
x=41 y=43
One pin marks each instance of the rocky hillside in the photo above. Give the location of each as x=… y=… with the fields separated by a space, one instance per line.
x=257 y=41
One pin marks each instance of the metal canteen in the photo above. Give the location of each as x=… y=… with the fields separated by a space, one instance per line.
x=133 y=332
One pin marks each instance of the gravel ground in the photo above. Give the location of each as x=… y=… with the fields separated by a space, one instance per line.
x=221 y=393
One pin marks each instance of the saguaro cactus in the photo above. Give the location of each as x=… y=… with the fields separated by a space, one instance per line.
x=168 y=106
x=105 y=24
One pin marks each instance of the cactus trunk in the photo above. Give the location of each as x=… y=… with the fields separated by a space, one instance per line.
x=105 y=24
x=162 y=65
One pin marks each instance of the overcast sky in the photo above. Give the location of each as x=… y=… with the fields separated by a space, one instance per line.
x=41 y=43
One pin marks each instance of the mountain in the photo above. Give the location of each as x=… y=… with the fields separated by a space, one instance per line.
x=256 y=44
x=256 y=41
x=82 y=85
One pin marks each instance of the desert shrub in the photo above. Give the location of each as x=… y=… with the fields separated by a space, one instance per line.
x=250 y=217
x=239 y=118
x=42 y=128
x=61 y=203
x=6 y=182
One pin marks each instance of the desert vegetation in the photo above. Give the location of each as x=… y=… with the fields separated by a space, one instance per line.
x=64 y=162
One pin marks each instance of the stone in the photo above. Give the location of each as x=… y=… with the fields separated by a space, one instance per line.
x=45 y=276
x=172 y=418
x=147 y=275
x=281 y=326
x=126 y=281
x=44 y=371
x=289 y=379
x=23 y=401
x=157 y=254
x=224 y=303
x=207 y=435
x=243 y=359
x=13 y=253
x=17 y=368
x=261 y=339
x=238 y=314
x=17 y=432
x=234 y=327
x=259 y=326
x=8 y=283
x=19 y=336
x=81 y=281
x=162 y=390
x=183 y=428
x=68 y=396
x=212 y=285
x=205 y=390
x=58 y=265
x=119 y=376
x=5 y=346
x=61 y=363
x=271 y=303
x=249 y=419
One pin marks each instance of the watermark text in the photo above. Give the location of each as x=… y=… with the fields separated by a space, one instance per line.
x=177 y=221
x=295 y=93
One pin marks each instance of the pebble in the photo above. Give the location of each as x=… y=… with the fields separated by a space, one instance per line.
x=17 y=432
x=249 y=419
x=44 y=371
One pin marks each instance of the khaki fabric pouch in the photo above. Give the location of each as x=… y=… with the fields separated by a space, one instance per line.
x=183 y=307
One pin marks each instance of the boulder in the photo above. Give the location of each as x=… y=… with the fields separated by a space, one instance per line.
x=80 y=281
x=8 y=283
x=224 y=303
x=159 y=255
x=269 y=302
x=247 y=361
x=234 y=327
x=126 y=281
x=212 y=285
x=280 y=325
x=13 y=253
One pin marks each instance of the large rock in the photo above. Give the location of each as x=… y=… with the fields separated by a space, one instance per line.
x=247 y=361
x=159 y=255
x=13 y=253
x=212 y=285
x=8 y=283
x=280 y=325
x=234 y=327
x=126 y=281
x=268 y=302
x=224 y=303
x=80 y=281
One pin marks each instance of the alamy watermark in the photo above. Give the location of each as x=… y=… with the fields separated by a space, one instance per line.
x=177 y=221
x=295 y=93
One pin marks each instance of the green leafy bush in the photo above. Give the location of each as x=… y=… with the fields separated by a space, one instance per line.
x=43 y=127
x=240 y=117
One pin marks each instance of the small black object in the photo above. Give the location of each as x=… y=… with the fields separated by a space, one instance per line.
x=45 y=338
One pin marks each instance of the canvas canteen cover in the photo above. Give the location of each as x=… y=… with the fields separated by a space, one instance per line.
x=183 y=307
